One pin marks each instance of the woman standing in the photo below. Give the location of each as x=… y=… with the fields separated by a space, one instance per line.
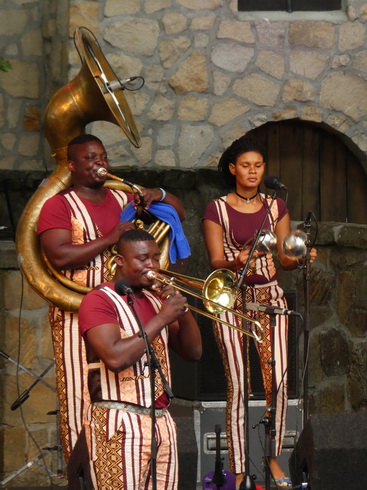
x=229 y=222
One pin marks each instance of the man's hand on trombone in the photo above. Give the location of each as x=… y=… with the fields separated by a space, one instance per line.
x=171 y=298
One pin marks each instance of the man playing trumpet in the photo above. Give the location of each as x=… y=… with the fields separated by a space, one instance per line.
x=77 y=227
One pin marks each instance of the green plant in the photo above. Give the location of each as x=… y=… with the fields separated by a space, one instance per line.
x=4 y=64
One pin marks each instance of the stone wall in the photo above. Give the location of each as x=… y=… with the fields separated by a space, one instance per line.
x=211 y=74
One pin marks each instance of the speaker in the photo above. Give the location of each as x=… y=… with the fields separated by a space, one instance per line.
x=187 y=452
x=209 y=414
x=204 y=380
x=331 y=453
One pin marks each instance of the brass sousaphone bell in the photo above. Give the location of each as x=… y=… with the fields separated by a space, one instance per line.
x=90 y=96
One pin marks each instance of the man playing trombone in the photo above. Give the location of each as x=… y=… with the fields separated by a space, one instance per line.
x=122 y=321
x=77 y=228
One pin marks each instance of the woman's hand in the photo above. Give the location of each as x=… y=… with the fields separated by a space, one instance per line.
x=243 y=257
x=313 y=254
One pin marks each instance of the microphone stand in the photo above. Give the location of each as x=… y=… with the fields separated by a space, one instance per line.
x=26 y=370
x=269 y=420
x=248 y=482
x=25 y=395
x=306 y=324
x=153 y=366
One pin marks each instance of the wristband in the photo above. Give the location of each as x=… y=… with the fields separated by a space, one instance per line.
x=164 y=193
x=300 y=264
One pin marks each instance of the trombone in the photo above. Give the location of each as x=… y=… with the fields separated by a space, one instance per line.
x=218 y=295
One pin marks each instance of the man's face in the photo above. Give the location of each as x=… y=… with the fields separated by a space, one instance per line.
x=135 y=260
x=85 y=161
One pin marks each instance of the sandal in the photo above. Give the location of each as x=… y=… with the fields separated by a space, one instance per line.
x=283 y=482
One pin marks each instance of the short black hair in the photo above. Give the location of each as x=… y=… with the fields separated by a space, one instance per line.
x=230 y=155
x=80 y=140
x=136 y=235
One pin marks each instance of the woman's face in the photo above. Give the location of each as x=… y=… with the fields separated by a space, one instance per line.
x=248 y=169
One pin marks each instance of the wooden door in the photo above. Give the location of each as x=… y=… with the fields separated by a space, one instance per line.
x=321 y=173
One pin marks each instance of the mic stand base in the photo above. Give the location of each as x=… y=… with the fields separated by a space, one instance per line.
x=248 y=483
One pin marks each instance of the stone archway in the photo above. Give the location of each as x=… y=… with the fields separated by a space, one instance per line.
x=320 y=170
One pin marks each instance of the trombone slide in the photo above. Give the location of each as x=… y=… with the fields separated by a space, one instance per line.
x=210 y=303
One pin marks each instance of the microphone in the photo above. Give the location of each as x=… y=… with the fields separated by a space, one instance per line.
x=308 y=219
x=123 y=288
x=23 y=397
x=132 y=83
x=270 y=310
x=272 y=182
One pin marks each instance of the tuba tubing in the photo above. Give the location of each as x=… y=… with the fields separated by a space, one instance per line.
x=104 y=173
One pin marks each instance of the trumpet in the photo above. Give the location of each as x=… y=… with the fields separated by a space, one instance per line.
x=218 y=294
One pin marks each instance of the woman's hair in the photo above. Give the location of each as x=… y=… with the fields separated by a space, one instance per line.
x=230 y=155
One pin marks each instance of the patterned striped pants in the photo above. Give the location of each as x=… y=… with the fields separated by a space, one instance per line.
x=71 y=376
x=121 y=457
x=230 y=343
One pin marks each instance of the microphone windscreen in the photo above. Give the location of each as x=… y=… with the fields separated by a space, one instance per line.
x=271 y=182
x=122 y=287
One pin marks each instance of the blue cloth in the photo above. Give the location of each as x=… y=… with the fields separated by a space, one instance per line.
x=179 y=247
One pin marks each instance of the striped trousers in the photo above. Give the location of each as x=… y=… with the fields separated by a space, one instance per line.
x=71 y=376
x=231 y=347
x=122 y=460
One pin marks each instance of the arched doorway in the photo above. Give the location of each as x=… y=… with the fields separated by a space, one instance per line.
x=321 y=173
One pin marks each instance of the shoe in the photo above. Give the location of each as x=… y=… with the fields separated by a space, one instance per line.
x=283 y=482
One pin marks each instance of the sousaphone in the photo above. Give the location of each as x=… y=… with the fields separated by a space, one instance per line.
x=95 y=94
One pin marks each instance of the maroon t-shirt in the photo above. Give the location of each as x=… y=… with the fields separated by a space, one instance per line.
x=56 y=213
x=98 y=309
x=244 y=225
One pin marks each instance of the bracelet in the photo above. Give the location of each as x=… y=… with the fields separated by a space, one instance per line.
x=164 y=193
x=300 y=264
